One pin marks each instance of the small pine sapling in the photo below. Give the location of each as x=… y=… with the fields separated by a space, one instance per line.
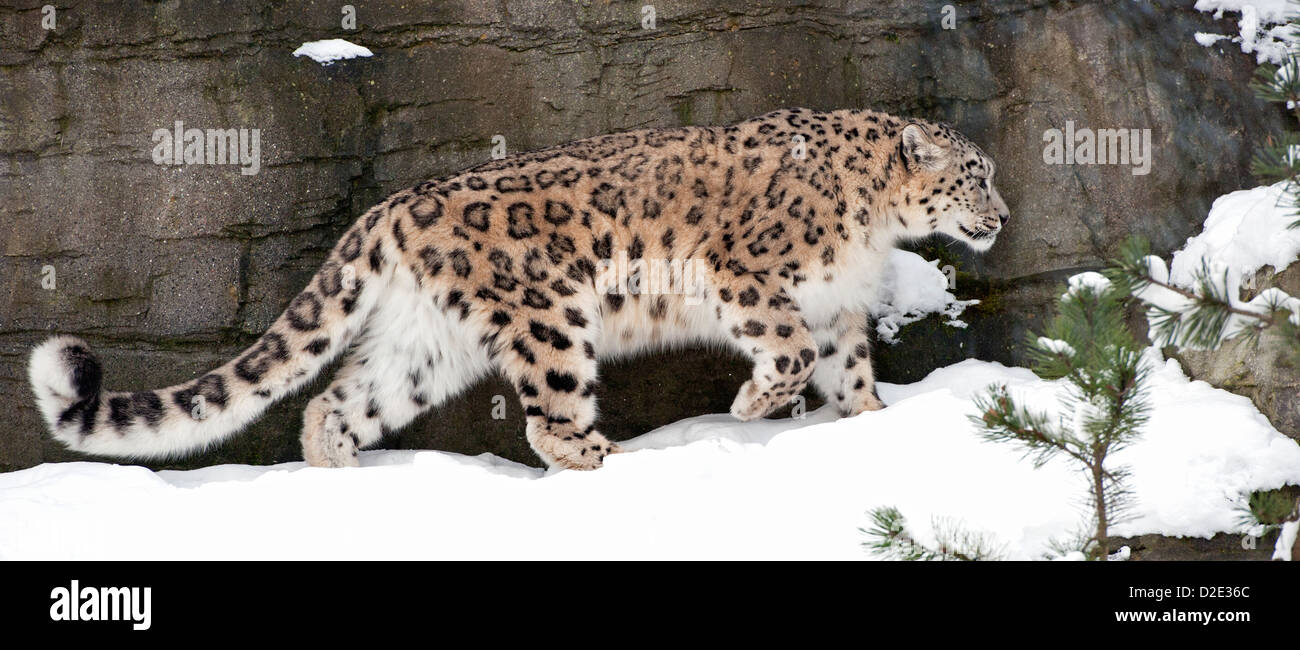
x=1104 y=403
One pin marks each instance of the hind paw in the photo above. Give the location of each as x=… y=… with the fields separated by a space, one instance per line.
x=332 y=445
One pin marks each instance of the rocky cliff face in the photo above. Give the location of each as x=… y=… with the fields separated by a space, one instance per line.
x=169 y=270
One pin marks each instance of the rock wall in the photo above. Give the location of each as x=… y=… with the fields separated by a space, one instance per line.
x=169 y=270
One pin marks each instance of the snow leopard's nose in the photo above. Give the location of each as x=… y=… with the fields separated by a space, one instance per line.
x=999 y=206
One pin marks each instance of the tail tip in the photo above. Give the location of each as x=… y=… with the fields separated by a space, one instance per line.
x=63 y=367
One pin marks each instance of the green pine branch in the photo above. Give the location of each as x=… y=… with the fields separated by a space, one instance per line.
x=1207 y=312
x=889 y=537
x=1279 y=83
x=1278 y=159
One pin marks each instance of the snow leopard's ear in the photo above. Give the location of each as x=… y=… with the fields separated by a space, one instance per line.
x=920 y=151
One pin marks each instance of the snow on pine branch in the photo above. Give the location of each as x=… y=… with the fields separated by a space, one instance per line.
x=1089 y=280
x=1196 y=301
x=1056 y=346
x=1211 y=312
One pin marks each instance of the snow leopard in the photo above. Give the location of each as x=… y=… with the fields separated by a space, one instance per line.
x=791 y=216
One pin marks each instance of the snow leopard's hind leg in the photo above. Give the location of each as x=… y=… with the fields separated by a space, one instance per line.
x=358 y=407
x=334 y=426
x=415 y=354
x=549 y=356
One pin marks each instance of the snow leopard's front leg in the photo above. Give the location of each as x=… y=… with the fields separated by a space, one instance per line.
x=548 y=355
x=844 y=375
x=767 y=326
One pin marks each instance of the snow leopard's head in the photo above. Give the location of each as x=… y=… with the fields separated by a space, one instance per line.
x=948 y=187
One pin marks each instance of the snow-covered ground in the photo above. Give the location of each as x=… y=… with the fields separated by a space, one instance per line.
x=707 y=487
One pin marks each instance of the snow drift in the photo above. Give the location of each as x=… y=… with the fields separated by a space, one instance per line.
x=704 y=488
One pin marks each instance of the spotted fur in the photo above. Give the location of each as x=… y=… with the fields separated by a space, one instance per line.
x=494 y=269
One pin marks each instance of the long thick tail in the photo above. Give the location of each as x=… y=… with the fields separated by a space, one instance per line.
x=181 y=419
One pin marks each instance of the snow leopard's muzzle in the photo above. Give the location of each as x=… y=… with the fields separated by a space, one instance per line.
x=981 y=235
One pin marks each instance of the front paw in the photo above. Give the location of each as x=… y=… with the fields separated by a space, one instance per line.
x=571 y=452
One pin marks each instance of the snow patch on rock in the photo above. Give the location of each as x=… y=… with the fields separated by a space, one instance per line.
x=328 y=51
x=913 y=288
